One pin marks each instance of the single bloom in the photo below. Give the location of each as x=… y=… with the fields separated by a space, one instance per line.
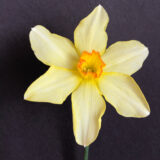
x=88 y=71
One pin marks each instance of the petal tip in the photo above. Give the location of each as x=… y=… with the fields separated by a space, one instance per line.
x=147 y=51
x=100 y=6
x=33 y=28
x=26 y=96
x=36 y=28
x=84 y=145
x=147 y=113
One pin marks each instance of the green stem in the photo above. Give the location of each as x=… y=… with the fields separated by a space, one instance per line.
x=86 y=153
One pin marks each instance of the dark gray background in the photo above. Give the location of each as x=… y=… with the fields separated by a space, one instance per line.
x=41 y=131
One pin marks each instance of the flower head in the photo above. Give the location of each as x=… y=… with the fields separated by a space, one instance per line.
x=88 y=70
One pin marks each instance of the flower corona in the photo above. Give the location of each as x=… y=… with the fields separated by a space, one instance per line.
x=90 y=65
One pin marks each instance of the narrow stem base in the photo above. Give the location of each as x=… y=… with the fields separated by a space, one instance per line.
x=86 y=153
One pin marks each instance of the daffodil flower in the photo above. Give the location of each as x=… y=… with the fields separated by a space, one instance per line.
x=89 y=71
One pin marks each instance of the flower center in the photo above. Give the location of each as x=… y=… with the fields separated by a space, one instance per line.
x=90 y=65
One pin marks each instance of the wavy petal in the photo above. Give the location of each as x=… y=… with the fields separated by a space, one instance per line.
x=90 y=34
x=125 y=57
x=53 y=49
x=54 y=86
x=88 y=106
x=123 y=93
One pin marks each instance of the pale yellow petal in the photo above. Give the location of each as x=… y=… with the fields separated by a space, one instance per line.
x=90 y=33
x=123 y=93
x=88 y=106
x=125 y=57
x=53 y=49
x=54 y=86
